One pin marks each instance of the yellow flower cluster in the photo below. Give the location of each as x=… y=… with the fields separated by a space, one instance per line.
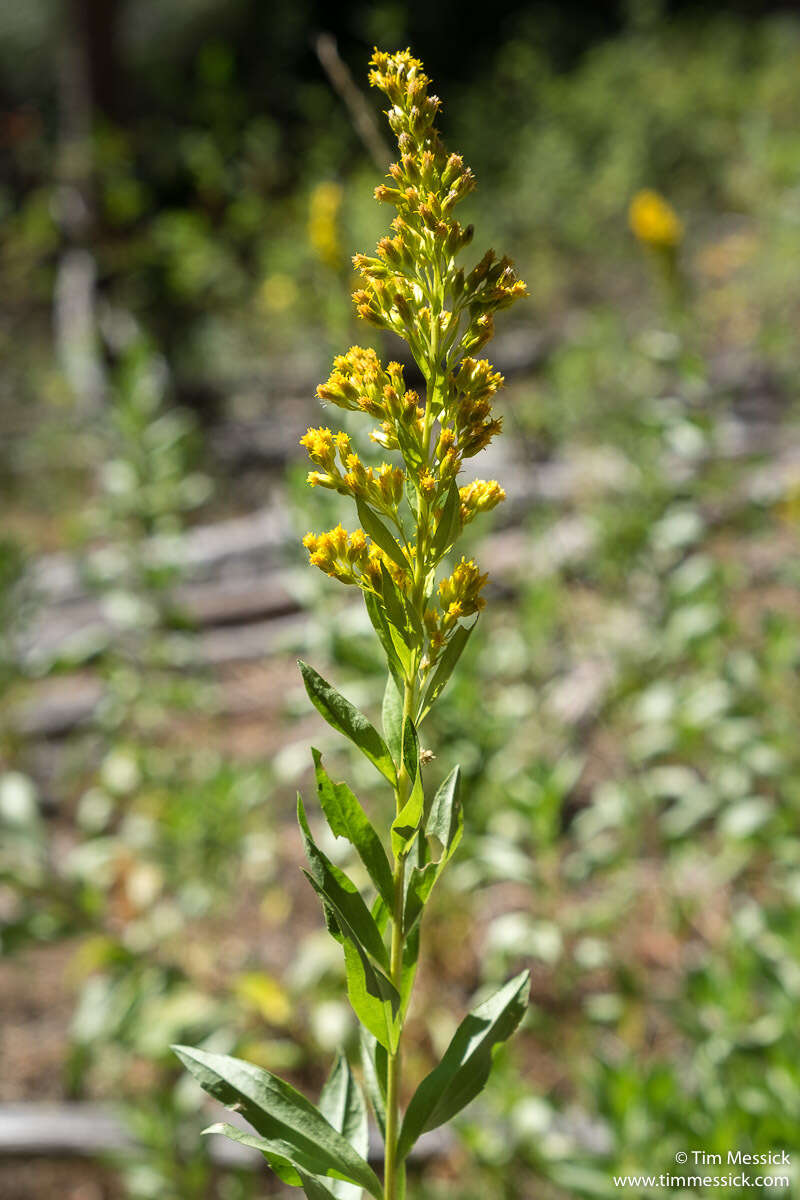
x=479 y=496
x=383 y=489
x=359 y=382
x=459 y=596
x=459 y=592
x=426 y=184
x=654 y=221
x=350 y=557
x=413 y=287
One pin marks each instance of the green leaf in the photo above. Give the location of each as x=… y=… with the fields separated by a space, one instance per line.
x=445 y=823
x=409 y=447
x=380 y=913
x=463 y=1071
x=444 y=669
x=400 y=613
x=446 y=820
x=449 y=523
x=392 y=715
x=341 y=714
x=407 y=822
x=395 y=609
x=293 y=1128
x=373 y=997
x=317 y=1191
x=375 y=1065
x=383 y=629
x=281 y=1165
x=412 y=495
x=409 y=967
x=374 y=526
x=347 y=819
x=342 y=1103
x=342 y=896
x=410 y=749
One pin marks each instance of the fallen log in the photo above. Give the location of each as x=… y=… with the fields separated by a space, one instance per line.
x=84 y=1130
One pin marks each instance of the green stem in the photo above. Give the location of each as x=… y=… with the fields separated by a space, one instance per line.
x=394 y=1070
x=394 y=1170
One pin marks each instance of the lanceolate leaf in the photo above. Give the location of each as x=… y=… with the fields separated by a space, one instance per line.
x=318 y=1191
x=463 y=1071
x=445 y=823
x=342 y=1103
x=293 y=1128
x=281 y=1165
x=399 y=613
x=446 y=819
x=342 y=895
x=395 y=609
x=406 y=824
x=449 y=522
x=409 y=971
x=341 y=714
x=444 y=668
x=393 y=718
x=347 y=819
x=410 y=748
x=381 y=626
x=375 y=1065
x=374 y=526
x=373 y=997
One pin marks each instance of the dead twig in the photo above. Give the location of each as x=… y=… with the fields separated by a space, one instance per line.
x=344 y=85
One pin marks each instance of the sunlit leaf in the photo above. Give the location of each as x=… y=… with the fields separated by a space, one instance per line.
x=444 y=668
x=449 y=523
x=392 y=715
x=342 y=1103
x=445 y=823
x=374 y=526
x=463 y=1071
x=407 y=822
x=380 y=624
x=347 y=819
x=375 y=1065
x=294 y=1130
x=342 y=896
x=346 y=719
x=373 y=997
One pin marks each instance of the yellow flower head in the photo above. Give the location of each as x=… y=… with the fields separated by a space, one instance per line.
x=459 y=593
x=654 y=221
x=320 y=445
x=479 y=496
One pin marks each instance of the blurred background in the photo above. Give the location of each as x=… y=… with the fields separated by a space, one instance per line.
x=182 y=183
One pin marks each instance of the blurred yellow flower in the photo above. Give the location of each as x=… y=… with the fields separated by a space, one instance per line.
x=265 y=994
x=654 y=221
x=277 y=293
x=323 y=223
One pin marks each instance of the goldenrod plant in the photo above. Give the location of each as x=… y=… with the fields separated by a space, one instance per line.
x=411 y=511
x=658 y=228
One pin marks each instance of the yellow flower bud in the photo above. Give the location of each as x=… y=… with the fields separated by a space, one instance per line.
x=654 y=221
x=479 y=496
